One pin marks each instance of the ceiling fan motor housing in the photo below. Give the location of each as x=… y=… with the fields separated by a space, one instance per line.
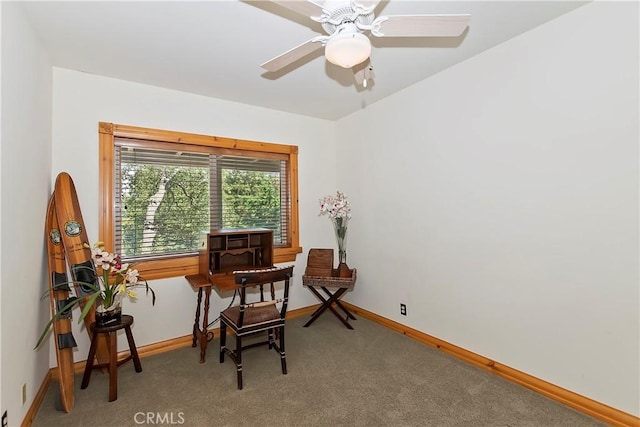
x=341 y=13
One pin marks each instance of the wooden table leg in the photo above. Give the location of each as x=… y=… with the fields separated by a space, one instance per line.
x=334 y=299
x=133 y=350
x=205 y=323
x=319 y=310
x=113 y=366
x=339 y=304
x=327 y=304
x=196 y=323
x=89 y=364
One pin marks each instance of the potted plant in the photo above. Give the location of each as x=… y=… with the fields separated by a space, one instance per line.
x=114 y=281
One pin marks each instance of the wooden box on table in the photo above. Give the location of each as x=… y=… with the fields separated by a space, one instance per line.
x=224 y=251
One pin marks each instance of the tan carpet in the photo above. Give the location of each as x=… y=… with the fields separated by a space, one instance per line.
x=369 y=376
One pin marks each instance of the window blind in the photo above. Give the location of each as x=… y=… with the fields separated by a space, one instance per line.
x=164 y=197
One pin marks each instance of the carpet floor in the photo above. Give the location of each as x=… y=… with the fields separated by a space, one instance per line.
x=369 y=376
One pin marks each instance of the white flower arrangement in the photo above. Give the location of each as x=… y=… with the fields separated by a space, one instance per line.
x=335 y=207
x=339 y=211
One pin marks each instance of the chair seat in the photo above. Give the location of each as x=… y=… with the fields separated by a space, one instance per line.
x=254 y=317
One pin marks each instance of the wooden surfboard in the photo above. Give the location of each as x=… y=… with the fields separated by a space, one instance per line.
x=59 y=297
x=74 y=236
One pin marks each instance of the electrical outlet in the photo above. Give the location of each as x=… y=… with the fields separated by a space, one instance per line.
x=403 y=309
x=24 y=393
x=5 y=419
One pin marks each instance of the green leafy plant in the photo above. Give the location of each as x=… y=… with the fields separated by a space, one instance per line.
x=114 y=281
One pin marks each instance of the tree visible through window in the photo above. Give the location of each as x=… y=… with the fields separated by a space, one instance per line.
x=163 y=205
x=251 y=199
x=166 y=193
x=167 y=198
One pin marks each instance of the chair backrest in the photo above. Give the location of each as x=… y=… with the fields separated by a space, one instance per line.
x=253 y=278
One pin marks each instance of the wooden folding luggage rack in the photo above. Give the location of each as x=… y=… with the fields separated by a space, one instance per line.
x=321 y=276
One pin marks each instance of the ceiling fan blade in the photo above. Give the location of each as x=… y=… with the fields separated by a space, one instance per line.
x=294 y=54
x=363 y=73
x=303 y=7
x=419 y=25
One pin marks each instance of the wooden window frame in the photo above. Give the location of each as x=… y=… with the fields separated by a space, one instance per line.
x=186 y=264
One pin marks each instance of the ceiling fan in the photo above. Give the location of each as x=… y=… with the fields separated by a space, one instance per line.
x=346 y=21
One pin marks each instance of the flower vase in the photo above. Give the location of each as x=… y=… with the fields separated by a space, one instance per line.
x=340 y=227
x=106 y=316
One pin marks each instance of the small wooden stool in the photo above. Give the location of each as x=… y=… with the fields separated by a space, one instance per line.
x=111 y=330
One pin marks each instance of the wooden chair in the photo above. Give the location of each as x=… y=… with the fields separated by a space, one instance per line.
x=249 y=318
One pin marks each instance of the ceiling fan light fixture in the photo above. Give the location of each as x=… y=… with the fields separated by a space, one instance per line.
x=347 y=49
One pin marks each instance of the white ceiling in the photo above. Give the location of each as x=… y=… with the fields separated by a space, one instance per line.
x=215 y=48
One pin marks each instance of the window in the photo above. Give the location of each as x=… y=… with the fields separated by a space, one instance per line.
x=161 y=189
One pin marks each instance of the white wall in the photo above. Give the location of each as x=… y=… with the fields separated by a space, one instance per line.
x=514 y=235
x=25 y=185
x=1 y=405
x=499 y=200
x=81 y=100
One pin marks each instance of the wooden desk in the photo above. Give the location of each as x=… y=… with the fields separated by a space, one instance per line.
x=221 y=253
